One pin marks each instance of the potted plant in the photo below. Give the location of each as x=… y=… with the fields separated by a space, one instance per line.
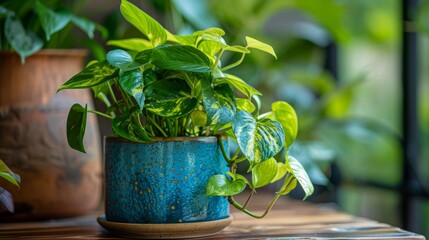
x=63 y=182
x=172 y=105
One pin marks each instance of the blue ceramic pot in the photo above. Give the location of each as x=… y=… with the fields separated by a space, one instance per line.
x=164 y=181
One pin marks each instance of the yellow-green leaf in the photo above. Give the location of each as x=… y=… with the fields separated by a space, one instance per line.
x=133 y=44
x=301 y=175
x=256 y=44
x=156 y=34
x=264 y=172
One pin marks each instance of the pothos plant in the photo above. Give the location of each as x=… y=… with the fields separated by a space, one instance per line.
x=169 y=85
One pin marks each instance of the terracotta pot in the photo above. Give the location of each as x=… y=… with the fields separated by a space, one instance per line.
x=57 y=181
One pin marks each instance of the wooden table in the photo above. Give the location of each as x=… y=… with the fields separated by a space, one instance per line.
x=288 y=220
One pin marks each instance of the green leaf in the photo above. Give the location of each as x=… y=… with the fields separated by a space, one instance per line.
x=134 y=44
x=51 y=21
x=220 y=185
x=7 y=174
x=24 y=43
x=91 y=76
x=258 y=140
x=256 y=44
x=76 y=124
x=281 y=171
x=285 y=114
x=289 y=184
x=199 y=118
x=129 y=127
x=170 y=98
x=132 y=83
x=219 y=102
x=84 y=24
x=179 y=57
x=264 y=172
x=299 y=172
x=122 y=60
x=156 y=34
x=241 y=85
x=245 y=105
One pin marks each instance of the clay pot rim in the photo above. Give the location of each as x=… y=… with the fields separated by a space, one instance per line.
x=208 y=139
x=51 y=52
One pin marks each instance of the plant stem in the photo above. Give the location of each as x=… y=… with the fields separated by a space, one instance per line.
x=222 y=148
x=234 y=64
x=157 y=126
x=243 y=209
x=218 y=58
x=101 y=114
x=248 y=199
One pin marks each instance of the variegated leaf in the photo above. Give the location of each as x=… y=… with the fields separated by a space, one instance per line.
x=132 y=83
x=91 y=76
x=258 y=140
x=301 y=175
x=219 y=102
x=170 y=98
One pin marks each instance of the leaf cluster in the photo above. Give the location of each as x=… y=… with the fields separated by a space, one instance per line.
x=170 y=85
x=27 y=26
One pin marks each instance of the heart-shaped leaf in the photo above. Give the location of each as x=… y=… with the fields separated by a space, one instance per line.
x=220 y=185
x=264 y=172
x=24 y=43
x=76 y=124
x=122 y=60
x=285 y=114
x=256 y=44
x=219 y=102
x=51 y=21
x=91 y=76
x=301 y=175
x=132 y=83
x=258 y=140
x=144 y=23
x=170 y=98
x=182 y=58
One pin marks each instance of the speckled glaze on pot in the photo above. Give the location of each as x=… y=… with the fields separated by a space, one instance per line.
x=164 y=181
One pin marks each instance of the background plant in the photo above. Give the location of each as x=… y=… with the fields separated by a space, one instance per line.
x=28 y=26
x=170 y=85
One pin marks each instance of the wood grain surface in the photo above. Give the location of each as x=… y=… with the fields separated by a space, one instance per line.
x=289 y=220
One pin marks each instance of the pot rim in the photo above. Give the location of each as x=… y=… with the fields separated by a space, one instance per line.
x=207 y=139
